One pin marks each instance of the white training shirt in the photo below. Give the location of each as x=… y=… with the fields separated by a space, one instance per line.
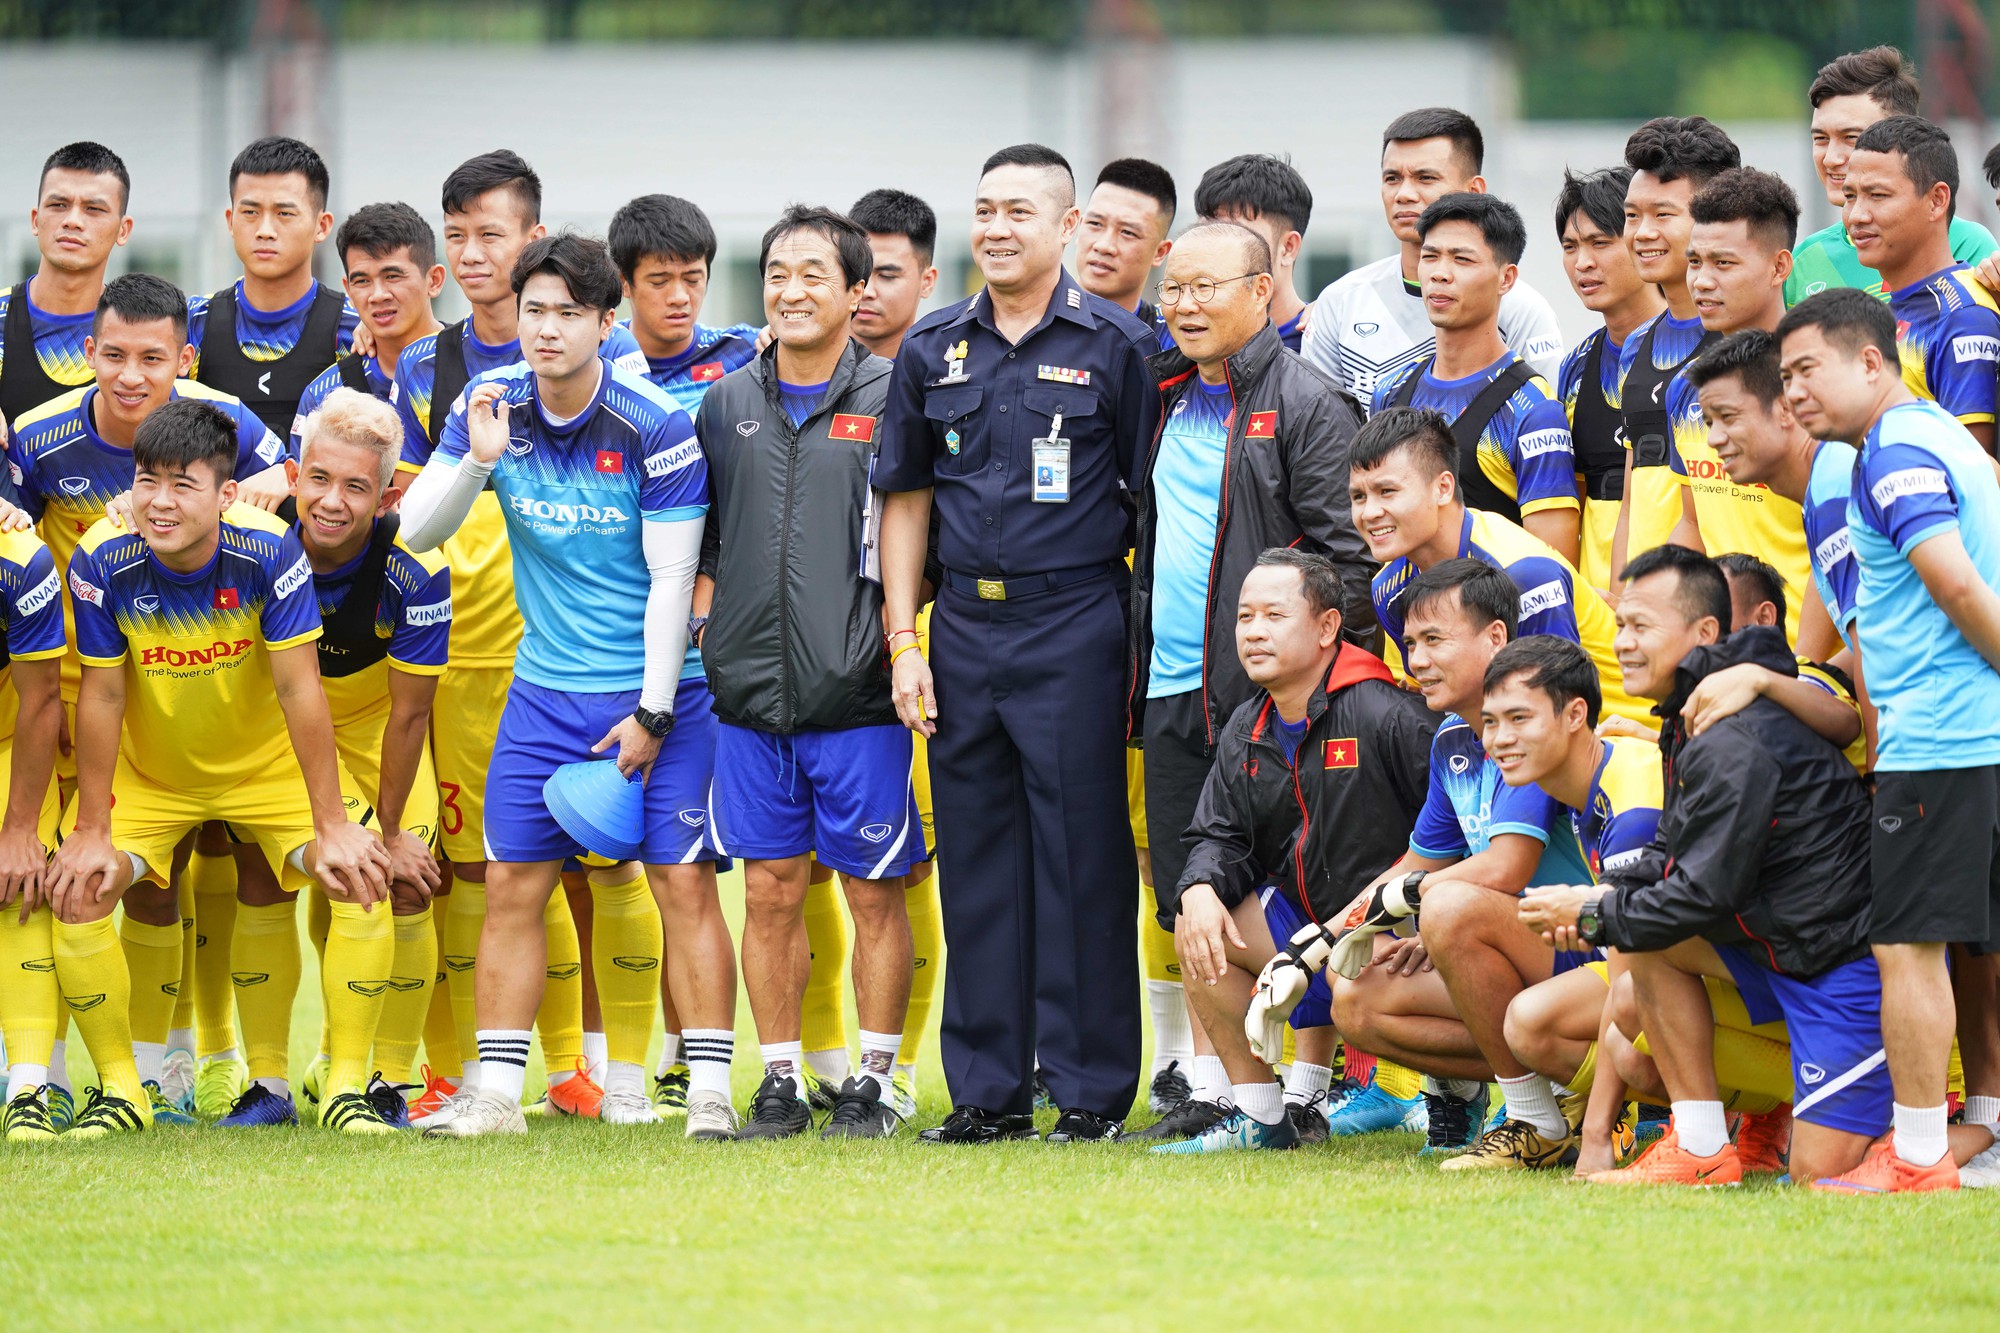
x=1367 y=326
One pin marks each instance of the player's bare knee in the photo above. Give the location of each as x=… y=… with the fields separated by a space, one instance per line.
x=152 y=904
x=1624 y=1003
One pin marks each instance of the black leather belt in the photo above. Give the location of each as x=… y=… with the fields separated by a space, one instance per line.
x=1026 y=585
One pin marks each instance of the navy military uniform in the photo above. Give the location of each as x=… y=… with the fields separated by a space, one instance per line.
x=1028 y=764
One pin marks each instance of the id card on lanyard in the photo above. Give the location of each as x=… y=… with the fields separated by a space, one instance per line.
x=1052 y=465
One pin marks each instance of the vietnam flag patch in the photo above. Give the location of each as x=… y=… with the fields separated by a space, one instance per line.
x=706 y=371
x=610 y=460
x=1263 y=426
x=848 y=427
x=1343 y=752
x=225 y=599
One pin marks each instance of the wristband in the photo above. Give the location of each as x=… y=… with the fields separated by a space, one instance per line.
x=906 y=648
x=894 y=634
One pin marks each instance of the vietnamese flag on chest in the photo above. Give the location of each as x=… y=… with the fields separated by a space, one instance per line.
x=1263 y=426
x=706 y=371
x=225 y=599
x=610 y=460
x=847 y=427
x=1343 y=752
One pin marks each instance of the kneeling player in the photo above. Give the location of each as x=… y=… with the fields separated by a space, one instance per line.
x=194 y=635
x=1317 y=779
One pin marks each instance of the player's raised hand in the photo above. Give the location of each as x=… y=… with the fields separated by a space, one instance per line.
x=266 y=491
x=486 y=428
x=350 y=864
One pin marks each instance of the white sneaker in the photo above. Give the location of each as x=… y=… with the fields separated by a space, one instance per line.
x=453 y=1104
x=625 y=1107
x=710 y=1116
x=177 y=1078
x=1982 y=1172
x=486 y=1113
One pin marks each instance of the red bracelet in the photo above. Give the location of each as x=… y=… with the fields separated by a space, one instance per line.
x=891 y=637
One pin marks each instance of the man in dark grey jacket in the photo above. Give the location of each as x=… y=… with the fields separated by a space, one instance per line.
x=810 y=757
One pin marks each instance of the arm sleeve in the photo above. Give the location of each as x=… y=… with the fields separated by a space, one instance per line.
x=99 y=640
x=1548 y=597
x=903 y=462
x=34 y=621
x=672 y=550
x=440 y=498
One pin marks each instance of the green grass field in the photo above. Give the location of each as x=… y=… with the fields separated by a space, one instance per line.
x=580 y=1223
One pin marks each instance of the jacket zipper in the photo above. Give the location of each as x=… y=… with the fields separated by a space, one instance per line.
x=1305 y=829
x=1132 y=653
x=1215 y=563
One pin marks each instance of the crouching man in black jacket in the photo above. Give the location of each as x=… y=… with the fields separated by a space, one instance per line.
x=810 y=757
x=1758 y=880
x=1317 y=781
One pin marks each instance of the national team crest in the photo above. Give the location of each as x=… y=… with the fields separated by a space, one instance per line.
x=706 y=371
x=225 y=599
x=1263 y=426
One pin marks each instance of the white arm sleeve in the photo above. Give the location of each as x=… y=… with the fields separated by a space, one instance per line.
x=673 y=550
x=439 y=499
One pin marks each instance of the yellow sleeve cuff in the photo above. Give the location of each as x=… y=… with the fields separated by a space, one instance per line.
x=1553 y=502
x=276 y=645
x=417 y=668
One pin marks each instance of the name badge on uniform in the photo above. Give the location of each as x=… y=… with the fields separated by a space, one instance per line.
x=954 y=363
x=1052 y=465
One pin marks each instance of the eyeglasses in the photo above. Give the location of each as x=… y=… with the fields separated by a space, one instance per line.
x=1201 y=289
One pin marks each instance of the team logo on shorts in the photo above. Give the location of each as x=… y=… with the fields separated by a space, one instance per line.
x=874 y=832
x=1811 y=1073
x=693 y=818
x=1890 y=823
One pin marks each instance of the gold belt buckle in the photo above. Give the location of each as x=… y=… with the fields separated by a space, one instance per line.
x=992 y=590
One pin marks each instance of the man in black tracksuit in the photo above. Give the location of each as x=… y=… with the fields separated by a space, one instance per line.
x=1317 y=782
x=810 y=757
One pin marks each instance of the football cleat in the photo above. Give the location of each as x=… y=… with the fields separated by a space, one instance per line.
x=1882 y=1172
x=711 y=1117
x=104 y=1116
x=972 y=1124
x=217 y=1085
x=356 y=1113
x=1454 y=1123
x=390 y=1101
x=1373 y=1111
x=1667 y=1163
x=578 y=1095
x=1193 y=1116
x=62 y=1107
x=1982 y=1172
x=902 y=1097
x=312 y=1086
x=177 y=1079
x=1236 y=1132
x=1169 y=1089
x=432 y=1098
x=1515 y=1146
x=258 y=1107
x=778 y=1110
x=1763 y=1141
x=483 y=1113
x=27 y=1119
x=861 y=1111
x=1044 y=1099
x=627 y=1108
x=1085 y=1127
x=820 y=1093
x=1309 y=1119
x=452 y=1105
x=670 y=1092
x=164 y=1111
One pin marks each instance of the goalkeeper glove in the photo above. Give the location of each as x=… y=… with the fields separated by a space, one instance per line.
x=1280 y=987
x=1391 y=901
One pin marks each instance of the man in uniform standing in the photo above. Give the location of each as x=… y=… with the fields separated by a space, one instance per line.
x=1025 y=408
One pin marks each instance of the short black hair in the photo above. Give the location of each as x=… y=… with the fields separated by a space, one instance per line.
x=1318 y=576
x=1498 y=221
x=1766 y=583
x=1423 y=430
x=1928 y=156
x=184 y=432
x=1032 y=155
x=1557 y=667
x=850 y=242
x=1883 y=74
x=379 y=230
x=1440 y=122
x=582 y=262
x=93 y=159
x=1848 y=317
x=1701 y=590
x=1745 y=194
x=141 y=298
x=1598 y=195
x=1144 y=177
x=1751 y=355
x=664 y=226
x=897 y=213
x=278 y=155
x=1256 y=185
x=501 y=169
x=1485 y=594
x=1991 y=167
x=1673 y=148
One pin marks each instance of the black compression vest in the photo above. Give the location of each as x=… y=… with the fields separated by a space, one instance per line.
x=448 y=378
x=1596 y=429
x=24 y=385
x=348 y=642
x=271 y=389
x=1475 y=488
x=1643 y=401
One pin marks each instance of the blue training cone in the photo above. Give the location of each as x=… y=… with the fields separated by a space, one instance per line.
x=599 y=807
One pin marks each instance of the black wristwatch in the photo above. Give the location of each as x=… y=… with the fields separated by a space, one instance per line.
x=696 y=624
x=656 y=724
x=1589 y=921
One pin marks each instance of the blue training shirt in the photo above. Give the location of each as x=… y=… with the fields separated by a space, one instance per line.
x=1525 y=449
x=688 y=377
x=574 y=495
x=1828 y=489
x=801 y=400
x=1187 y=486
x=1920 y=475
x=1468 y=805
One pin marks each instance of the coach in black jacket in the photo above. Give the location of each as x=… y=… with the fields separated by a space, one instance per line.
x=1284 y=437
x=809 y=756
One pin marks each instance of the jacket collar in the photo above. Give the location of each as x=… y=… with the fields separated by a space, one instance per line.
x=852 y=368
x=1350 y=666
x=1761 y=645
x=1068 y=301
x=1172 y=366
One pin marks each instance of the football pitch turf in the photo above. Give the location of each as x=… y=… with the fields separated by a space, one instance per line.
x=588 y=1224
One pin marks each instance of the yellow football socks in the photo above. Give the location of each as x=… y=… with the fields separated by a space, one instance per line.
x=440 y=1026
x=626 y=943
x=29 y=996
x=264 y=972
x=927 y=934
x=561 y=1018
x=1398 y=1081
x=823 y=1012
x=412 y=975
x=213 y=882
x=319 y=919
x=183 y=1018
x=360 y=949
x=90 y=964
x=464 y=918
x=153 y=962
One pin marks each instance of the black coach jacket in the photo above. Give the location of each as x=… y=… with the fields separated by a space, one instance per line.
x=1284 y=483
x=1763 y=835
x=1327 y=824
x=794 y=637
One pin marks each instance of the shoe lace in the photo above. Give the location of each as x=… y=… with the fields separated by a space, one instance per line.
x=248 y=1098
x=1073 y=1122
x=1509 y=1136
x=855 y=1105
x=1450 y=1117
x=388 y=1098
x=772 y=1101
x=102 y=1108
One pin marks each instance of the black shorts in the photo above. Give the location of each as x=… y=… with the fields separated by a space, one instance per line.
x=1177 y=764
x=1935 y=857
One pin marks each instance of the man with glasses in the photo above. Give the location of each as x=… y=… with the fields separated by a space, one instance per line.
x=1252 y=455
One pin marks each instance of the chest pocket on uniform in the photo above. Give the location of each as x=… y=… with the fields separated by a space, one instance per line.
x=961 y=439
x=1043 y=401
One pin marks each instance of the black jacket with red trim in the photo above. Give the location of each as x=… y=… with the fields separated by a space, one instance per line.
x=1325 y=825
x=1291 y=431
x=1763 y=836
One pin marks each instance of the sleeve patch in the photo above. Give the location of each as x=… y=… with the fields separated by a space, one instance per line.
x=1547 y=597
x=674 y=459
x=293 y=579
x=436 y=613
x=84 y=590
x=1976 y=347
x=40 y=595
x=1909 y=481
